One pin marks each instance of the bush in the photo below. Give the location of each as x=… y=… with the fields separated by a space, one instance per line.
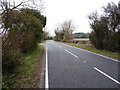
x=24 y=31
x=10 y=59
x=105 y=29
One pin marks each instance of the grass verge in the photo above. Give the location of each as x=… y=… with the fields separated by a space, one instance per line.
x=43 y=41
x=28 y=74
x=103 y=52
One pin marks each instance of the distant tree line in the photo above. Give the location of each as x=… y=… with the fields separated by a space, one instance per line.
x=81 y=35
x=106 y=28
x=22 y=30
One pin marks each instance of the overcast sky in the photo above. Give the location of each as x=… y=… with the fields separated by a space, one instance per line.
x=57 y=11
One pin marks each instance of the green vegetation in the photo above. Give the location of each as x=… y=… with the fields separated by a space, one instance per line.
x=105 y=33
x=24 y=73
x=43 y=41
x=22 y=31
x=103 y=52
x=22 y=36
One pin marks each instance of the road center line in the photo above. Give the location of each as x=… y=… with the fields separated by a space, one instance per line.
x=46 y=74
x=71 y=53
x=93 y=53
x=106 y=75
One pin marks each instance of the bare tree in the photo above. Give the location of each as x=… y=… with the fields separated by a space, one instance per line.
x=6 y=6
x=10 y=5
x=64 y=32
x=68 y=28
x=93 y=18
x=35 y=4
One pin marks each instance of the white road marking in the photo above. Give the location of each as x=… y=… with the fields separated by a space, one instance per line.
x=94 y=53
x=71 y=53
x=106 y=75
x=46 y=74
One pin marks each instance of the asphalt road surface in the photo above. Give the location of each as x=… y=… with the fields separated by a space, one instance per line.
x=71 y=67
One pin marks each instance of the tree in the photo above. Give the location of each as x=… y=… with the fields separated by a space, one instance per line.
x=65 y=31
x=21 y=30
x=68 y=29
x=45 y=34
x=105 y=29
x=22 y=36
x=99 y=26
x=36 y=14
x=59 y=34
x=7 y=6
x=112 y=12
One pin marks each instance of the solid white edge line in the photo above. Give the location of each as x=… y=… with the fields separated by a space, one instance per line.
x=106 y=75
x=46 y=74
x=71 y=53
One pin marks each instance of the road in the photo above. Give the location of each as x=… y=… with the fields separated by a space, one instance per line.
x=71 y=67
